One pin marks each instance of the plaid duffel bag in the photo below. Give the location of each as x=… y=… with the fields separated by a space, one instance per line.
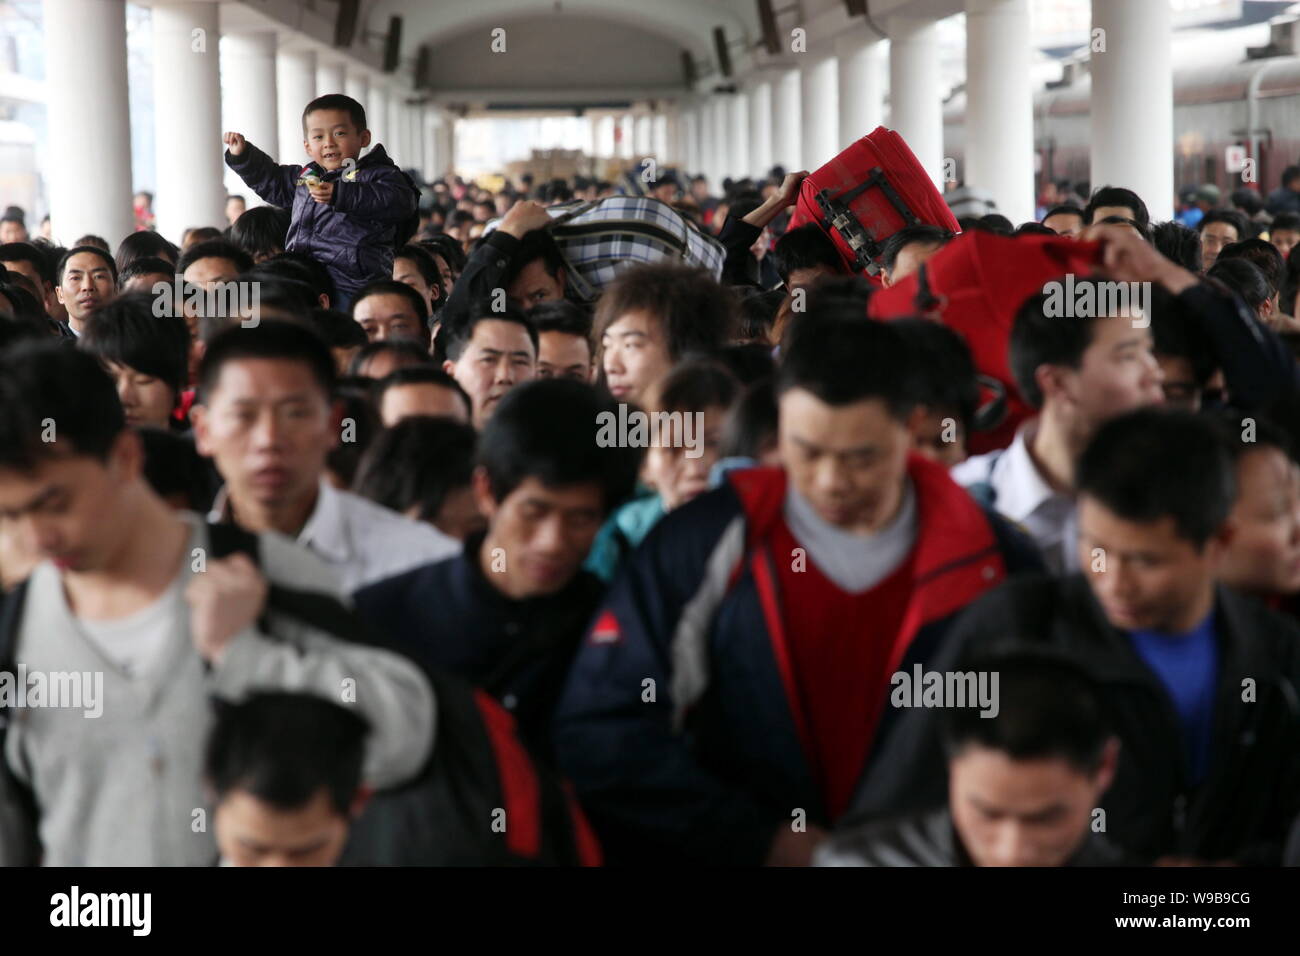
x=601 y=238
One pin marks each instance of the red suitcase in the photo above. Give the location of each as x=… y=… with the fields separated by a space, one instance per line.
x=976 y=285
x=866 y=194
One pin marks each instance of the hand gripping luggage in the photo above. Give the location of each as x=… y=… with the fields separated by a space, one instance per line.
x=976 y=284
x=866 y=194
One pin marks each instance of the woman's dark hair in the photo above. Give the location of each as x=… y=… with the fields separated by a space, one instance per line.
x=145 y=245
x=416 y=463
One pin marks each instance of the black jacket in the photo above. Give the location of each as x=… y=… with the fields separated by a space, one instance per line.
x=1251 y=793
x=449 y=618
x=928 y=839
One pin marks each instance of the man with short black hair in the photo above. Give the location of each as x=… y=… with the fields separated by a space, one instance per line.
x=285 y=775
x=508 y=612
x=414 y=266
x=1064 y=220
x=266 y=417
x=490 y=354
x=564 y=341
x=421 y=390
x=216 y=261
x=389 y=309
x=85 y=279
x=906 y=250
x=31 y=261
x=1286 y=198
x=1218 y=228
x=1025 y=781
x=1284 y=232
x=1202 y=682
x=805 y=254
x=1110 y=201
x=739 y=667
x=165 y=612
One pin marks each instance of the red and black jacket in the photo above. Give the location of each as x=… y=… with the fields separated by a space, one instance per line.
x=678 y=725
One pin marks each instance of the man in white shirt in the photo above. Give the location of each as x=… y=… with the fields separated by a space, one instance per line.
x=266 y=417
x=1080 y=371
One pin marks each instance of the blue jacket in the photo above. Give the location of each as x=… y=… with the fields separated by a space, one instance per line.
x=354 y=235
x=679 y=724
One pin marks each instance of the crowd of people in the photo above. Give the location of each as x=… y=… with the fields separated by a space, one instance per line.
x=321 y=512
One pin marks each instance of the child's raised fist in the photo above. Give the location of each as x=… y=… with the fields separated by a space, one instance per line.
x=235 y=142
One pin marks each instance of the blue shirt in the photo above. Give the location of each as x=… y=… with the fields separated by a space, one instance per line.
x=1188 y=667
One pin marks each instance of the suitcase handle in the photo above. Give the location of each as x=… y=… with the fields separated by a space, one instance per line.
x=842 y=220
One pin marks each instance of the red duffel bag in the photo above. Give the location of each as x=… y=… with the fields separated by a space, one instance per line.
x=866 y=194
x=975 y=285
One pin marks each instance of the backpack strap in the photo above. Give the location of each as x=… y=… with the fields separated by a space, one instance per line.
x=317 y=610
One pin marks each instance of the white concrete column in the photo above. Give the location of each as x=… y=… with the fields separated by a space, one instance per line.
x=86 y=100
x=740 y=160
x=329 y=77
x=916 y=105
x=691 y=140
x=357 y=86
x=187 y=117
x=760 y=128
x=377 y=115
x=248 y=98
x=1000 y=105
x=396 y=146
x=859 y=54
x=787 y=123
x=819 y=112
x=415 y=138
x=659 y=137
x=719 y=131
x=295 y=79
x=643 y=135
x=606 y=145
x=627 y=136
x=1133 y=102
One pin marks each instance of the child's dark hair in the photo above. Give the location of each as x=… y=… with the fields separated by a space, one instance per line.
x=695 y=384
x=283 y=747
x=337 y=101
